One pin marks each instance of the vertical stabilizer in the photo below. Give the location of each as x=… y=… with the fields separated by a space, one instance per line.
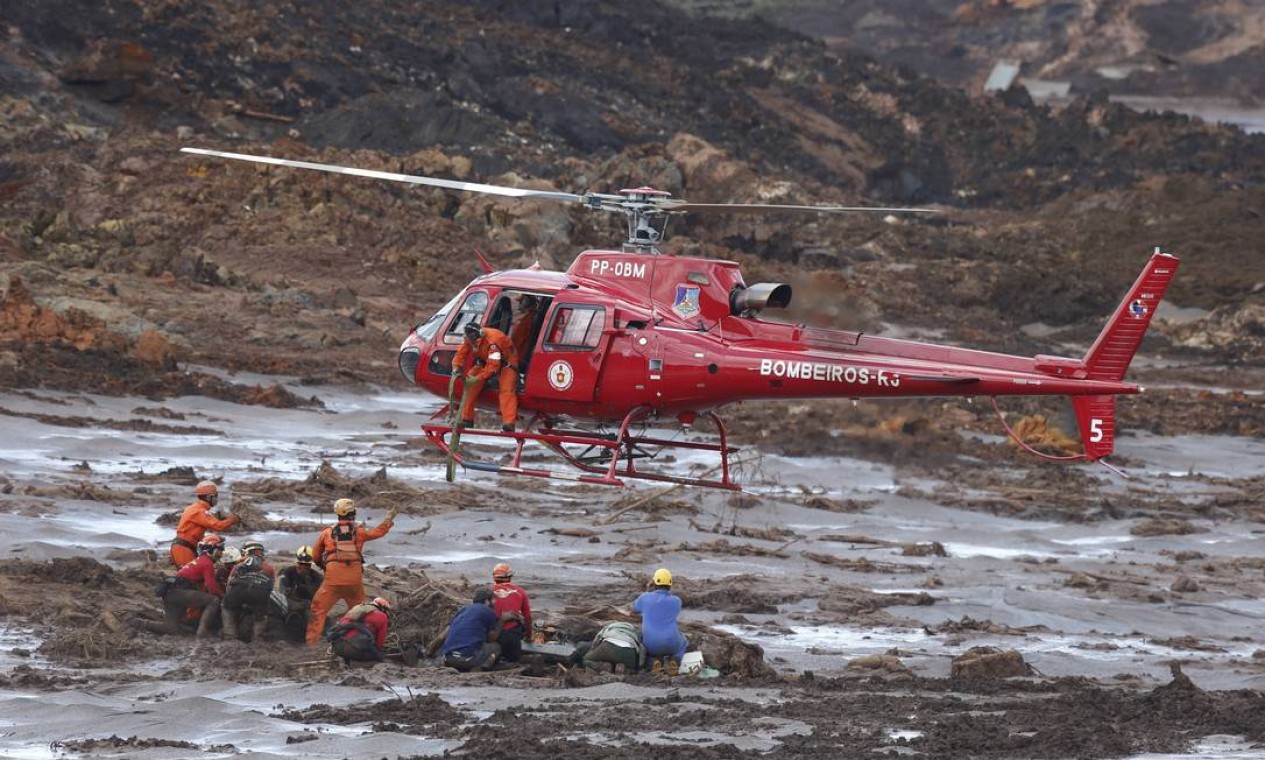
x=1096 y=419
x=1111 y=353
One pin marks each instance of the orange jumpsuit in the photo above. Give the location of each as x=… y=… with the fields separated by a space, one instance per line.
x=520 y=331
x=340 y=553
x=194 y=523
x=497 y=353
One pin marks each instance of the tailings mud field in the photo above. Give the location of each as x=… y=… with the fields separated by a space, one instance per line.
x=895 y=579
x=986 y=607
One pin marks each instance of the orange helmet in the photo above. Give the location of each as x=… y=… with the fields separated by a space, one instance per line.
x=502 y=571
x=206 y=488
x=382 y=603
x=210 y=543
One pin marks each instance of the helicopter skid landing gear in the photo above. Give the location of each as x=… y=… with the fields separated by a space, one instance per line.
x=603 y=459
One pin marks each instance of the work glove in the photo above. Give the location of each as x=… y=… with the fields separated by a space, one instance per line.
x=471 y=379
x=392 y=512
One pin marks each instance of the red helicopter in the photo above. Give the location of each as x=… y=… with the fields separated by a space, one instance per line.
x=632 y=338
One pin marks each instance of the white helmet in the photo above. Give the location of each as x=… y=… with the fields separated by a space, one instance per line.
x=231 y=556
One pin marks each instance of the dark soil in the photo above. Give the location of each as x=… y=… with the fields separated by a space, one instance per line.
x=125 y=265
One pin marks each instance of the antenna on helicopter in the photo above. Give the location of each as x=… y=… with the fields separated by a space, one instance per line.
x=647 y=209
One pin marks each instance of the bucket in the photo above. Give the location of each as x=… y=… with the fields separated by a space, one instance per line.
x=691 y=662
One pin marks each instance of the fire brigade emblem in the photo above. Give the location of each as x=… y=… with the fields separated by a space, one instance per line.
x=686 y=302
x=1137 y=309
x=561 y=375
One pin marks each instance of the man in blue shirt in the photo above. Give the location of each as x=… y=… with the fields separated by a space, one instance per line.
x=659 y=608
x=470 y=643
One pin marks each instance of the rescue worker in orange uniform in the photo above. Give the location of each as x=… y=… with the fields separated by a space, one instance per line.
x=196 y=520
x=339 y=552
x=494 y=356
x=520 y=331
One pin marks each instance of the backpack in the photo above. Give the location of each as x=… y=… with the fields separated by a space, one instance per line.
x=343 y=537
x=251 y=564
x=359 y=646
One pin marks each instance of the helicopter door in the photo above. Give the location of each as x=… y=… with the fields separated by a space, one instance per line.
x=570 y=355
x=520 y=315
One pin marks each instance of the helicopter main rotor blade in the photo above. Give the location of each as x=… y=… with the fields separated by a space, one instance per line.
x=673 y=206
x=448 y=184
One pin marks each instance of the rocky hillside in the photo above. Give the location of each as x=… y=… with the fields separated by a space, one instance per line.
x=1045 y=218
x=1161 y=48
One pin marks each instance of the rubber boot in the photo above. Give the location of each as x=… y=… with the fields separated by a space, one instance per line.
x=229 y=617
x=172 y=620
x=257 y=627
x=210 y=614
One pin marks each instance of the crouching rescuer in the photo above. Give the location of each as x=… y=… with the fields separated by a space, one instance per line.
x=618 y=645
x=470 y=643
x=195 y=587
x=493 y=355
x=361 y=634
x=249 y=594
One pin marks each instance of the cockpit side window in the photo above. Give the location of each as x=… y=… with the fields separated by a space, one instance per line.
x=471 y=310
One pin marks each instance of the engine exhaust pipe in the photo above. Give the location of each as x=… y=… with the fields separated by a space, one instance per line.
x=762 y=295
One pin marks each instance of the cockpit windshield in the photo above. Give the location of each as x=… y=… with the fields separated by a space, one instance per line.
x=427 y=329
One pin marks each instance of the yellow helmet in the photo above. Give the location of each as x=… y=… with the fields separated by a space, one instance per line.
x=662 y=577
x=344 y=507
x=303 y=556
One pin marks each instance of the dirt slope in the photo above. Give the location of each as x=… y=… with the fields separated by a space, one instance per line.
x=127 y=268
x=1047 y=216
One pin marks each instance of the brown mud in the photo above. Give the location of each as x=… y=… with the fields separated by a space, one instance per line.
x=132 y=272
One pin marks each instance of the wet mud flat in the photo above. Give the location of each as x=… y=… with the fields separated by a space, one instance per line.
x=980 y=607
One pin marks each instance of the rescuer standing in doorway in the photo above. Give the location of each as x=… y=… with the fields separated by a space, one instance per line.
x=494 y=356
x=524 y=320
x=339 y=552
x=195 y=521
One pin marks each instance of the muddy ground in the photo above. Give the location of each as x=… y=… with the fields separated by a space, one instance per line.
x=895 y=578
x=983 y=606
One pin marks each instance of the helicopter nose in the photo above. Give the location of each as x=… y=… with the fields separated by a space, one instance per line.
x=409 y=359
